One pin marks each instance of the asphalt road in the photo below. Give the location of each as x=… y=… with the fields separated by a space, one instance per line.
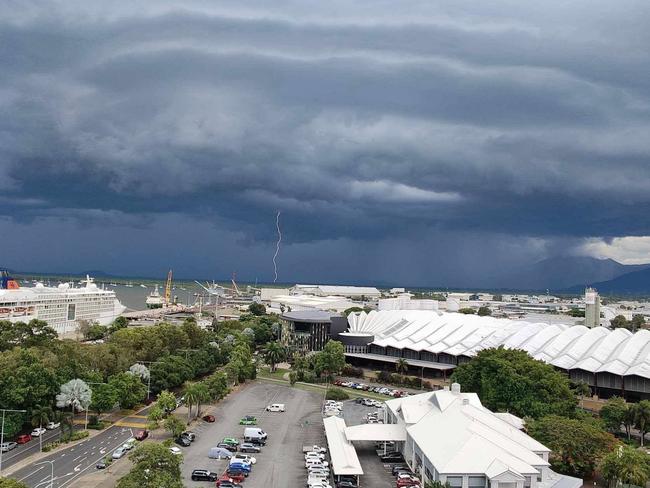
x=280 y=464
x=22 y=451
x=78 y=459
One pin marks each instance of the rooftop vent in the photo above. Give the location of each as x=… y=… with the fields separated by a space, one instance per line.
x=465 y=401
x=455 y=388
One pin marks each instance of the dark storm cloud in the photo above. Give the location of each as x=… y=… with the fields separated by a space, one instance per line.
x=359 y=122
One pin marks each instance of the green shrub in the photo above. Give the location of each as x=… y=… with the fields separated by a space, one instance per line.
x=50 y=445
x=97 y=426
x=336 y=394
x=82 y=434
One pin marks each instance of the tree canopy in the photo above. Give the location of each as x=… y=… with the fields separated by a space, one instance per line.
x=511 y=380
x=627 y=466
x=577 y=445
x=154 y=466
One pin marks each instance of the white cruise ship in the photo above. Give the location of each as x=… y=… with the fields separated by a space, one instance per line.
x=62 y=307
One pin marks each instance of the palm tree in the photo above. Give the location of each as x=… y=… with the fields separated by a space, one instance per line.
x=273 y=354
x=41 y=415
x=75 y=394
x=642 y=418
x=202 y=395
x=401 y=366
x=582 y=390
x=191 y=398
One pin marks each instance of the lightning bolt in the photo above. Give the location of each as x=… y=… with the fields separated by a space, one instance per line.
x=277 y=246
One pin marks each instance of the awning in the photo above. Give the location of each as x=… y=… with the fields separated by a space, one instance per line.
x=376 y=432
x=418 y=363
x=342 y=453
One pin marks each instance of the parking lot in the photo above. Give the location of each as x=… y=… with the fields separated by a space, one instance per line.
x=280 y=463
x=375 y=474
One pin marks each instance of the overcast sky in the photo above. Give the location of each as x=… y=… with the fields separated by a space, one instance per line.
x=419 y=142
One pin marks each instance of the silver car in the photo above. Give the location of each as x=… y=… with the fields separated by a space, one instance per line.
x=7 y=446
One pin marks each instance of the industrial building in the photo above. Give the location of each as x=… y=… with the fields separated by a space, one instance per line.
x=610 y=361
x=356 y=292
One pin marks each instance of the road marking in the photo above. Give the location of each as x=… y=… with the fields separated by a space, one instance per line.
x=33 y=472
x=77 y=468
x=47 y=477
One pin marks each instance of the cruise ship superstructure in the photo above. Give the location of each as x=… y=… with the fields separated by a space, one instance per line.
x=62 y=307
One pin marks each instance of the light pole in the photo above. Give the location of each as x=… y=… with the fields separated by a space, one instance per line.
x=52 y=475
x=2 y=429
x=149 y=375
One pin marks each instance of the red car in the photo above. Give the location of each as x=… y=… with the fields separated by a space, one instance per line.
x=208 y=418
x=235 y=475
x=142 y=435
x=225 y=480
x=24 y=439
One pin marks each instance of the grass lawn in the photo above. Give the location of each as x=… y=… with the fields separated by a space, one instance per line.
x=278 y=374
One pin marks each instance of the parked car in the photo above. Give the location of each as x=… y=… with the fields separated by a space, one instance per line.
x=129 y=444
x=346 y=484
x=225 y=482
x=219 y=452
x=175 y=450
x=248 y=420
x=314 y=454
x=53 y=425
x=141 y=435
x=246 y=468
x=7 y=446
x=118 y=453
x=243 y=458
x=101 y=465
x=190 y=436
x=231 y=441
x=399 y=467
x=182 y=441
x=392 y=457
x=208 y=418
x=23 y=438
x=275 y=407
x=204 y=475
x=230 y=447
x=249 y=447
x=237 y=475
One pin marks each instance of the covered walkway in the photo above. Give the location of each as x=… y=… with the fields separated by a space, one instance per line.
x=343 y=455
x=376 y=432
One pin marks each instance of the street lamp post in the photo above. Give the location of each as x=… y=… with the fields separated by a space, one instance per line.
x=2 y=429
x=149 y=375
x=52 y=475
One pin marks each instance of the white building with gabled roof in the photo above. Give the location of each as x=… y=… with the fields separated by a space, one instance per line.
x=451 y=437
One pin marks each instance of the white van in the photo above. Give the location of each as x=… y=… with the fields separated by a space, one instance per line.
x=276 y=407
x=254 y=433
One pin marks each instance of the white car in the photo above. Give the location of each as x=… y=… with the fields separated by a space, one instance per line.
x=118 y=453
x=318 y=449
x=242 y=458
x=314 y=455
x=175 y=450
x=318 y=483
x=38 y=431
x=129 y=444
x=53 y=425
x=276 y=407
x=315 y=463
x=7 y=446
x=319 y=472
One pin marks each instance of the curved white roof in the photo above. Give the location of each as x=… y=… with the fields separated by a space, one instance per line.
x=569 y=347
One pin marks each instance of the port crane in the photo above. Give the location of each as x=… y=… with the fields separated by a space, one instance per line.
x=168 y=289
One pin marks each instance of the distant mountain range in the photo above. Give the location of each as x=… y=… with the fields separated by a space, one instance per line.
x=634 y=283
x=566 y=273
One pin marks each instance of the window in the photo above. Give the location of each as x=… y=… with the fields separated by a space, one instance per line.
x=477 y=481
x=71 y=311
x=455 y=481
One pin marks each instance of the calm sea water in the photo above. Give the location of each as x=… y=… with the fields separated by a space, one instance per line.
x=133 y=298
